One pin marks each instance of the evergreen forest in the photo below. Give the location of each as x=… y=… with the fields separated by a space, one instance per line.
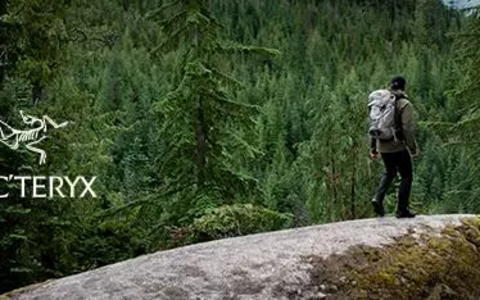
x=203 y=120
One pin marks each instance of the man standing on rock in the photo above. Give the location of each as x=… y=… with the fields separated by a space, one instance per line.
x=397 y=154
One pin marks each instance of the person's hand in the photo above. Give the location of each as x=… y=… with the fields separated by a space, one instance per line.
x=374 y=155
x=416 y=154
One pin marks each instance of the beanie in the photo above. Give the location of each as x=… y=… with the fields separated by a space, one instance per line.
x=398 y=83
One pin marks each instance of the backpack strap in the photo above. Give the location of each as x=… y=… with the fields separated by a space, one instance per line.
x=398 y=115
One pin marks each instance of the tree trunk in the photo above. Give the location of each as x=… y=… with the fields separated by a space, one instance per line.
x=200 y=128
x=353 y=181
x=201 y=142
x=37 y=93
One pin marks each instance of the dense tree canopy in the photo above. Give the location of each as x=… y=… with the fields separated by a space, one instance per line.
x=211 y=119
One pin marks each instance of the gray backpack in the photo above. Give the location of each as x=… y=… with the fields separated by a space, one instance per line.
x=383 y=117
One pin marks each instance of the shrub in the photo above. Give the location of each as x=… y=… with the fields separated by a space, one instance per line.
x=237 y=220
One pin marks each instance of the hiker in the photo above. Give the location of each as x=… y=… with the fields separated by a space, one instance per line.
x=397 y=153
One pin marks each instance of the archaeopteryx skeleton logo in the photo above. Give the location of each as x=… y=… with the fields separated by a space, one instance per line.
x=30 y=137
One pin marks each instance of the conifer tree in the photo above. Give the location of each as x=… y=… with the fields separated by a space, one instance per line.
x=206 y=131
x=41 y=33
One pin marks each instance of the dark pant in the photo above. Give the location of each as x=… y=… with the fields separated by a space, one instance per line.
x=400 y=162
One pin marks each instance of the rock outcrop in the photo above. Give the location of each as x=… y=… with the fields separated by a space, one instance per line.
x=251 y=267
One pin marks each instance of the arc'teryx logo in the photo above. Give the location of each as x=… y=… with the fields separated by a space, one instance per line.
x=29 y=137
x=40 y=185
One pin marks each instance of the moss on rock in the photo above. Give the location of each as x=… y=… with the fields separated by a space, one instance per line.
x=426 y=266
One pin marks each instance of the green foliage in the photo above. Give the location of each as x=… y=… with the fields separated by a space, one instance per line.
x=39 y=41
x=204 y=127
x=195 y=131
x=18 y=218
x=205 y=119
x=237 y=220
x=457 y=164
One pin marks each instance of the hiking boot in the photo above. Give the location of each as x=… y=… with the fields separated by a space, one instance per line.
x=378 y=208
x=404 y=214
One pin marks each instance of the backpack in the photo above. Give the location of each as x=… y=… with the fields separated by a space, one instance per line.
x=383 y=117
